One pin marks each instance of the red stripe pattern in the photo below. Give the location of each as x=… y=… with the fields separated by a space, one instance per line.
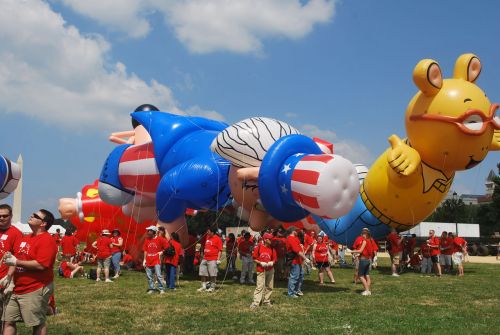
x=138 y=170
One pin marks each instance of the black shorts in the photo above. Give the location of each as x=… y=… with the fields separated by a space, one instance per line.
x=364 y=267
x=322 y=265
x=435 y=259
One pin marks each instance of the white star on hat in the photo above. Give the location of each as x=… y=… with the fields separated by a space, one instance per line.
x=286 y=168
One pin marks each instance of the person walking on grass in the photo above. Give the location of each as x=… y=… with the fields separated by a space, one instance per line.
x=395 y=251
x=265 y=257
x=295 y=250
x=103 y=246
x=434 y=244
x=116 y=251
x=211 y=259
x=363 y=247
x=153 y=249
x=322 y=254
x=459 y=251
x=245 y=248
x=32 y=267
x=172 y=256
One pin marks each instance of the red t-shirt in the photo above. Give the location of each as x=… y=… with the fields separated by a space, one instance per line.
x=152 y=248
x=434 y=244
x=394 y=239
x=415 y=260
x=293 y=244
x=244 y=247
x=8 y=240
x=103 y=247
x=57 y=238
x=231 y=248
x=334 y=245
x=114 y=248
x=447 y=246
x=66 y=270
x=264 y=254
x=174 y=260
x=321 y=253
x=308 y=243
x=425 y=249
x=368 y=249
x=213 y=246
x=68 y=245
x=458 y=243
x=374 y=246
x=41 y=248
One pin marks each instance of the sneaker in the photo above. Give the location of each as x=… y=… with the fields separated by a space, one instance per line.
x=115 y=276
x=299 y=293
x=162 y=292
x=211 y=289
x=268 y=304
x=395 y=275
x=98 y=279
x=293 y=296
x=150 y=291
x=366 y=293
x=201 y=289
x=108 y=280
x=253 y=306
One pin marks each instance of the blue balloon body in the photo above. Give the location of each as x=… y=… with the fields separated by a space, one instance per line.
x=4 y=171
x=344 y=230
x=192 y=176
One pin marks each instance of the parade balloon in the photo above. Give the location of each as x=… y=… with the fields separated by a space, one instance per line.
x=10 y=173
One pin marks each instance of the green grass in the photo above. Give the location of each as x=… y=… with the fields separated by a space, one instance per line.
x=410 y=304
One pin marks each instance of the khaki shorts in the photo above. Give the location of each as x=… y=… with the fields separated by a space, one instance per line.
x=30 y=307
x=208 y=268
x=104 y=262
x=395 y=258
x=458 y=258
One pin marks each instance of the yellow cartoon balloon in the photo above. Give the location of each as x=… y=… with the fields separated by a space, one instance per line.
x=451 y=126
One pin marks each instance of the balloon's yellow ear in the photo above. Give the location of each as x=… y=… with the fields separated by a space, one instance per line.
x=428 y=77
x=467 y=67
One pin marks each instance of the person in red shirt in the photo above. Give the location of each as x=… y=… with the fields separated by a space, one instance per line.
x=265 y=257
x=426 y=265
x=446 y=248
x=459 y=251
x=211 y=259
x=395 y=251
x=103 y=246
x=32 y=264
x=309 y=241
x=116 y=251
x=69 y=244
x=434 y=244
x=295 y=254
x=57 y=238
x=415 y=262
x=9 y=237
x=279 y=244
x=231 y=253
x=322 y=256
x=172 y=261
x=71 y=268
x=153 y=249
x=245 y=247
x=334 y=247
x=364 y=248
x=127 y=261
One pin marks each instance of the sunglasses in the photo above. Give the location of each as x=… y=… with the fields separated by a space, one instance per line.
x=36 y=216
x=4 y=216
x=472 y=122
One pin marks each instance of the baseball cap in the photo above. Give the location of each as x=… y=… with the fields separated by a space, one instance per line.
x=105 y=232
x=153 y=228
x=267 y=236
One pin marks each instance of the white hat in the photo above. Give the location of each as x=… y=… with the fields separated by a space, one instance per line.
x=105 y=232
x=153 y=228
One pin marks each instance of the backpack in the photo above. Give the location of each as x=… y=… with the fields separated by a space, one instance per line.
x=92 y=274
x=60 y=271
x=170 y=251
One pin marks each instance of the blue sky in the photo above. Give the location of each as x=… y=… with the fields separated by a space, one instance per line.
x=71 y=72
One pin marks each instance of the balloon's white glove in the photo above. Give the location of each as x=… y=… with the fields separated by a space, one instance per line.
x=4 y=282
x=10 y=260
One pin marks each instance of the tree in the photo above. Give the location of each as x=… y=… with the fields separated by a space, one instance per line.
x=488 y=215
x=451 y=210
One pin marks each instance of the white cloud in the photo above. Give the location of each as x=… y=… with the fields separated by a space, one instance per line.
x=49 y=70
x=213 y=25
x=209 y=114
x=291 y=115
x=352 y=150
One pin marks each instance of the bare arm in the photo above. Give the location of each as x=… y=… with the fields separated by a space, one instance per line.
x=30 y=265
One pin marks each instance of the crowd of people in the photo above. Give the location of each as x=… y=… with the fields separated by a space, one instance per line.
x=26 y=273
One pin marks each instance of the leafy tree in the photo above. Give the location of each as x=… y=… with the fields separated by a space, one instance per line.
x=488 y=215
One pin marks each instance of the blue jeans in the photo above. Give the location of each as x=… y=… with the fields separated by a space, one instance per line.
x=170 y=274
x=115 y=259
x=149 y=273
x=295 y=280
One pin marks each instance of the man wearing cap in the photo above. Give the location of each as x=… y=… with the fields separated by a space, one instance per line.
x=296 y=278
x=103 y=245
x=153 y=249
x=116 y=251
x=211 y=258
x=265 y=257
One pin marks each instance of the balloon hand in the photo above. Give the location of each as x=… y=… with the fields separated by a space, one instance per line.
x=403 y=159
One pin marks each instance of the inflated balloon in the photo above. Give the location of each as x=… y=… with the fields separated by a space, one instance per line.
x=451 y=126
x=278 y=173
x=10 y=173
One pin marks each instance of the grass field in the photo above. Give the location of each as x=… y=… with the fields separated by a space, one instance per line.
x=410 y=304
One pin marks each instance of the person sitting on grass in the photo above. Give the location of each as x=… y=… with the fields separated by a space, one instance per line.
x=321 y=254
x=103 y=246
x=127 y=261
x=265 y=257
x=71 y=268
x=363 y=247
